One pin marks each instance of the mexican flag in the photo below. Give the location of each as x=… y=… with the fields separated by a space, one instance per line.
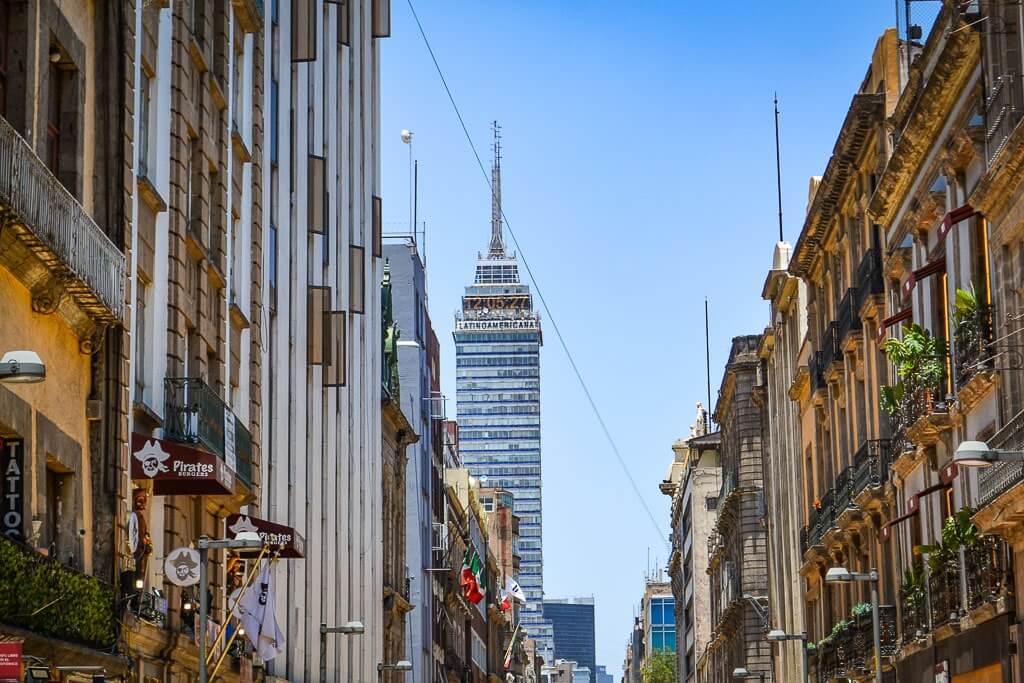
x=506 y=600
x=472 y=577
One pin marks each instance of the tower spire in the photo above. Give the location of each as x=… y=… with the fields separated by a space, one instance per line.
x=497 y=249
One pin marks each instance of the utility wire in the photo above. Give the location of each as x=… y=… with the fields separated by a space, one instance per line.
x=536 y=285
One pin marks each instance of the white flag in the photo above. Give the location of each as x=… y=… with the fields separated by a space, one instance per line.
x=515 y=591
x=256 y=612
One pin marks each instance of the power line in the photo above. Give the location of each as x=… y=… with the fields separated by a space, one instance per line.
x=536 y=285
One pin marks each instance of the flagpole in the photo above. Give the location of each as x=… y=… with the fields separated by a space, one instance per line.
x=512 y=642
x=234 y=634
x=245 y=584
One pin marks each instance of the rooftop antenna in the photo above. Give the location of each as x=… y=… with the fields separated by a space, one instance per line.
x=778 y=165
x=497 y=248
x=707 y=362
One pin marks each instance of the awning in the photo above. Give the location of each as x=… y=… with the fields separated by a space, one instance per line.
x=177 y=469
x=936 y=265
x=946 y=476
x=906 y=314
x=290 y=541
x=955 y=216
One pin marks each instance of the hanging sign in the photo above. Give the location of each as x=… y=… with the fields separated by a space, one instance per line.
x=290 y=542
x=178 y=469
x=182 y=567
x=12 y=498
x=10 y=661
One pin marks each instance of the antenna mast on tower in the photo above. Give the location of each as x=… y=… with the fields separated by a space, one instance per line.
x=497 y=249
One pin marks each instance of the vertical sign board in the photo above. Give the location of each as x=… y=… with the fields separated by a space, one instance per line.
x=229 y=440
x=10 y=661
x=12 y=469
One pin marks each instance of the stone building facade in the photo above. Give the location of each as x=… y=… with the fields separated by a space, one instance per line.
x=693 y=482
x=65 y=247
x=738 y=545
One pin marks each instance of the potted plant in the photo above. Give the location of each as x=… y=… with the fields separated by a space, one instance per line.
x=919 y=359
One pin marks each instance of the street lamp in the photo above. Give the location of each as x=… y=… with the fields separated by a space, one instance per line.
x=741 y=672
x=402 y=665
x=22 y=367
x=978 y=454
x=777 y=635
x=350 y=628
x=246 y=540
x=843 y=575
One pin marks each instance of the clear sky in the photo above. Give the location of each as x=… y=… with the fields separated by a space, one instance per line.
x=639 y=177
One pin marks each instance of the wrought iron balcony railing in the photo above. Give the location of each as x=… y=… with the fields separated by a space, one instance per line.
x=816 y=368
x=944 y=593
x=914 y=606
x=869 y=278
x=195 y=414
x=1003 y=108
x=849 y=315
x=844 y=490
x=996 y=480
x=830 y=349
x=63 y=234
x=822 y=518
x=989 y=571
x=974 y=348
x=45 y=596
x=871 y=465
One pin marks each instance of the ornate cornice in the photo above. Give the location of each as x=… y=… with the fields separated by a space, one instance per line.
x=999 y=188
x=865 y=112
x=923 y=110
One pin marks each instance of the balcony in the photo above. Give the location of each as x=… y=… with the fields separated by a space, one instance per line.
x=996 y=480
x=914 y=604
x=46 y=220
x=854 y=644
x=816 y=369
x=822 y=518
x=48 y=598
x=844 y=491
x=870 y=466
x=1003 y=107
x=830 y=349
x=974 y=347
x=195 y=414
x=849 y=315
x=869 y=279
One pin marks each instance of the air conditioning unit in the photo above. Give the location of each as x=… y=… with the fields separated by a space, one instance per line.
x=435 y=406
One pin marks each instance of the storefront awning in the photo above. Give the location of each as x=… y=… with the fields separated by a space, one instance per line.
x=177 y=469
x=291 y=543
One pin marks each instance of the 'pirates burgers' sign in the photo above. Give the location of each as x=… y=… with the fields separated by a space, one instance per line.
x=178 y=469
x=290 y=541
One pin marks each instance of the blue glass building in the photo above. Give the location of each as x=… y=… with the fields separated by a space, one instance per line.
x=497 y=358
x=662 y=634
x=573 y=622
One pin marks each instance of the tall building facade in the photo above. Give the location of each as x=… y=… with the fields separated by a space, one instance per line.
x=497 y=356
x=572 y=620
x=693 y=482
x=321 y=302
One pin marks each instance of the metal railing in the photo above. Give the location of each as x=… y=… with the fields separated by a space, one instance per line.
x=944 y=593
x=1003 y=107
x=914 y=606
x=849 y=315
x=869 y=278
x=974 y=352
x=194 y=413
x=996 y=480
x=822 y=519
x=830 y=351
x=844 y=490
x=989 y=571
x=59 y=221
x=870 y=465
x=816 y=368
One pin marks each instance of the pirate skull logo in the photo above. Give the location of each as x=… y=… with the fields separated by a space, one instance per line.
x=152 y=457
x=243 y=523
x=182 y=567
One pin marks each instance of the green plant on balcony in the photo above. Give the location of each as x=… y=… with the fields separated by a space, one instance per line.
x=919 y=359
x=913 y=588
x=837 y=629
x=42 y=595
x=965 y=311
x=860 y=609
x=958 y=531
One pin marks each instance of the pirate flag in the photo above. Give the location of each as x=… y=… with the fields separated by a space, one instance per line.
x=256 y=612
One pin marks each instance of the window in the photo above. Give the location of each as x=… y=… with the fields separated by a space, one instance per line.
x=59 y=510
x=317 y=206
x=357 y=279
x=55 y=105
x=303 y=30
x=378 y=232
x=4 y=50
x=273 y=121
x=381 y=20
x=144 y=124
x=238 y=87
x=140 y=340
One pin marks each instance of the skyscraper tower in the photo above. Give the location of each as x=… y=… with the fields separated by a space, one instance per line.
x=497 y=357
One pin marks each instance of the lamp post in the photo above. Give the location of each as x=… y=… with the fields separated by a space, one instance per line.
x=978 y=454
x=402 y=665
x=22 y=367
x=843 y=575
x=778 y=636
x=351 y=628
x=246 y=540
x=741 y=672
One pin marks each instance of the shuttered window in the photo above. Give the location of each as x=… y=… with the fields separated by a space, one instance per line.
x=334 y=348
x=357 y=279
x=378 y=227
x=303 y=30
x=381 y=21
x=318 y=303
x=317 y=198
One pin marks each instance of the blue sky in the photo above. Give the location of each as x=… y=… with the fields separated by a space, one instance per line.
x=639 y=178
